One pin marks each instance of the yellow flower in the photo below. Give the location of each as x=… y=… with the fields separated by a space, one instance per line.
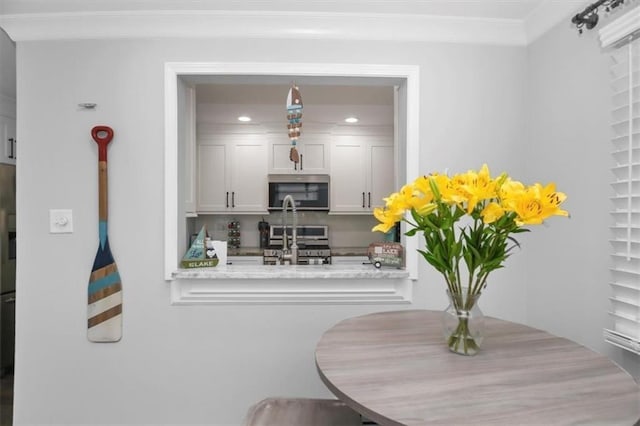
x=551 y=201
x=448 y=189
x=509 y=191
x=477 y=187
x=535 y=204
x=441 y=195
x=492 y=212
x=397 y=203
x=456 y=191
x=387 y=218
x=421 y=184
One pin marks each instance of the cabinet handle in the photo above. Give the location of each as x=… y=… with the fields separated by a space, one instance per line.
x=363 y=200
x=233 y=199
x=369 y=199
x=11 y=144
x=227 y=199
x=301 y=167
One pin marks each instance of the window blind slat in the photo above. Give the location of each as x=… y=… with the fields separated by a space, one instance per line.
x=622 y=341
x=621 y=142
x=626 y=327
x=626 y=287
x=622 y=279
x=627 y=308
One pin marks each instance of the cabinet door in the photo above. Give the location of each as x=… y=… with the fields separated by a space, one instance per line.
x=249 y=177
x=313 y=158
x=348 y=184
x=279 y=156
x=8 y=144
x=213 y=195
x=380 y=173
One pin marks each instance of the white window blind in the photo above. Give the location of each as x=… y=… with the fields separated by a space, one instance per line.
x=625 y=200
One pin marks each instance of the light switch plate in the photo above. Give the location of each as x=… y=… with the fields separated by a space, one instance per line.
x=60 y=221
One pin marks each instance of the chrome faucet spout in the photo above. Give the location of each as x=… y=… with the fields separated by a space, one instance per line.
x=293 y=256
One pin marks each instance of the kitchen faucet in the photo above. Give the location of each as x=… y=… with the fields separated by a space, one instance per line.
x=289 y=254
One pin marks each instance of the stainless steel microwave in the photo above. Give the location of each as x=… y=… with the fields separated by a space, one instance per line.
x=310 y=192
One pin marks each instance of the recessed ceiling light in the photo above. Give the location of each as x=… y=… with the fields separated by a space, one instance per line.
x=244 y=118
x=351 y=120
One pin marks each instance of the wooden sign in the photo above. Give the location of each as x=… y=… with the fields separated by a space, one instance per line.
x=386 y=254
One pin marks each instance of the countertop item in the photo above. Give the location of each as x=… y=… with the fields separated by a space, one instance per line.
x=335 y=251
x=395 y=369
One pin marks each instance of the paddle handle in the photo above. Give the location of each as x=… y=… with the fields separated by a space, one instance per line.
x=102 y=135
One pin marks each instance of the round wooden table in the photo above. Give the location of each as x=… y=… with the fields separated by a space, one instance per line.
x=395 y=369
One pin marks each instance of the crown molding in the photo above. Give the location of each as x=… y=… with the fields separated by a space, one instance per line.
x=548 y=14
x=259 y=24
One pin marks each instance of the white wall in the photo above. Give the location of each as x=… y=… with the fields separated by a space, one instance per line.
x=7 y=76
x=204 y=364
x=568 y=134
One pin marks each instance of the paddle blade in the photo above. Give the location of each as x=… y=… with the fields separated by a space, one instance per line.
x=104 y=312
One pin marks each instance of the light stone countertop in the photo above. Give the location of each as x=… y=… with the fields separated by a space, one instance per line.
x=242 y=272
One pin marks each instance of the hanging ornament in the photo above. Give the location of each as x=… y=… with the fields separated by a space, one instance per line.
x=294 y=116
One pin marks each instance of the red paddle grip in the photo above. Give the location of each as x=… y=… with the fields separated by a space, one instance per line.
x=102 y=135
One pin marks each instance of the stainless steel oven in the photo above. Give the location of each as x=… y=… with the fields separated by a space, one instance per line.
x=310 y=192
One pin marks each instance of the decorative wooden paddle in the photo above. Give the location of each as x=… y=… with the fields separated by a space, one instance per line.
x=105 y=289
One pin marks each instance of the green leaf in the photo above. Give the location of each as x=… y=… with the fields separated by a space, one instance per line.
x=411 y=232
x=434 y=261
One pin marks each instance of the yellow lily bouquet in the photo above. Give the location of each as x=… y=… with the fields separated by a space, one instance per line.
x=493 y=208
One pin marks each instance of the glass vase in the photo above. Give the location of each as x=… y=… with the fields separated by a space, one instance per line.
x=463 y=323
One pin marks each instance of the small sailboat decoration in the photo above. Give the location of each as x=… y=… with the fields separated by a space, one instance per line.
x=294 y=116
x=201 y=254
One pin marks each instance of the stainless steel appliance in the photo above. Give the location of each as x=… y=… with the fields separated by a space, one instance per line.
x=7 y=266
x=312 y=241
x=310 y=192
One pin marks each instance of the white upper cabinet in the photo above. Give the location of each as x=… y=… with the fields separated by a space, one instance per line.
x=312 y=150
x=249 y=176
x=232 y=174
x=380 y=172
x=348 y=175
x=8 y=147
x=213 y=185
x=362 y=172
